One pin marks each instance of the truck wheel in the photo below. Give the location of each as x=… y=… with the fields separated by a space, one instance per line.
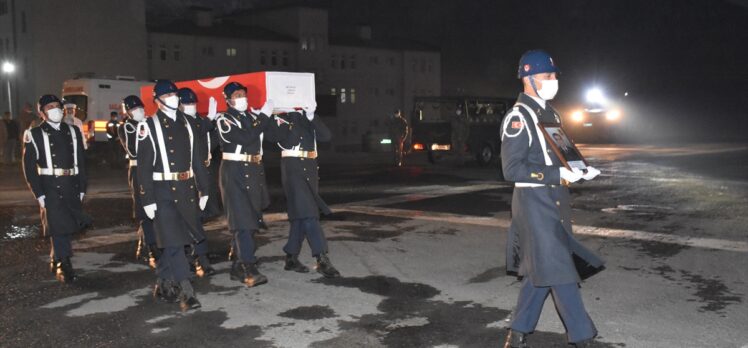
x=485 y=155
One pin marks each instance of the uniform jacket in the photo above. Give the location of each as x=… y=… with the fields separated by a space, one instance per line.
x=128 y=134
x=540 y=242
x=63 y=213
x=207 y=138
x=300 y=176
x=177 y=216
x=243 y=185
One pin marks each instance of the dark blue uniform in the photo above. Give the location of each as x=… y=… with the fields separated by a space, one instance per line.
x=128 y=131
x=175 y=191
x=243 y=185
x=540 y=245
x=301 y=182
x=54 y=167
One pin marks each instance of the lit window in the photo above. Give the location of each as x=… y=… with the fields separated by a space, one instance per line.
x=353 y=96
x=304 y=44
x=231 y=52
x=342 y=95
x=333 y=91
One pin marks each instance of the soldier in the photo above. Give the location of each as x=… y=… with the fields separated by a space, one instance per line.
x=111 y=135
x=541 y=247
x=460 y=132
x=170 y=175
x=398 y=132
x=70 y=110
x=55 y=170
x=135 y=113
x=300 y=179
x=202 y=127
x=243 y=184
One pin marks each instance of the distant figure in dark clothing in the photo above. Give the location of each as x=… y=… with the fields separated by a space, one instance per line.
x=13 y=132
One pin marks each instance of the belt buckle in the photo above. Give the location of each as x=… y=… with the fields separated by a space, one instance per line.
x=183 y=176
x=65 y=172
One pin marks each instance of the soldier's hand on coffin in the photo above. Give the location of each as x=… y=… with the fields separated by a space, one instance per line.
x=571 y=175
x=592 y=173
x=203 y=202
x=212 y=108
x=41 y=200
x=150 y=210
x=267 y=109
x=82 y=194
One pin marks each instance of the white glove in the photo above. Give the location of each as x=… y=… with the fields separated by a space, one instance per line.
x=150 y=210
x=203 y=202
x=570 y=175
x=41 y=200
x=267 y=109
x=592 y=173
x=82 y=194
x=310 y=110
x=212 y=108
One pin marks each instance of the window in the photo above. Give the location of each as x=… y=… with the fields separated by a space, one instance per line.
x=285 y=58
x=208 y=51
x=333 y=91
x=162 y=51
x=3 y=7
x=353 y=96
x=391 y=91
x=177 y=53
x=231 y=52
x=342 y=95
x=304 y=44
x=274 y=58
x=150 y=51
x=263 y=58
x=334 y=62
x=353 y=62
x=342 y=62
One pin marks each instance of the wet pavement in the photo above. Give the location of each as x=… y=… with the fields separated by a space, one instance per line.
x=421 y=250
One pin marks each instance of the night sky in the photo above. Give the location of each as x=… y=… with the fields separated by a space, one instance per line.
x=683 y=62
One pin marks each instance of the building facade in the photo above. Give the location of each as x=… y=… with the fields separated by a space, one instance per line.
x=368 y=78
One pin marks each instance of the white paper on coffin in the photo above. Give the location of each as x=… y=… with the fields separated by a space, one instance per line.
x=290 y=90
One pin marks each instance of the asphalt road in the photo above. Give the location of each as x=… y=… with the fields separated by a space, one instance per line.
x=421 y=250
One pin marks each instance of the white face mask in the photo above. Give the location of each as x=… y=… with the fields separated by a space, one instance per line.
x=240 y=104
x=172 y=102
x=548 y=89
x=54 y=115
x=190 y=110
x=137 y=114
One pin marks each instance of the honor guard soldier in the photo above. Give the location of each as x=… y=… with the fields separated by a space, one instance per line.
x=541 y=247
x=202 y=127
x=243 y=184
x=55 y=170
x=111 y=135
x=300 y=179
x=128 y=136
x=170 y=175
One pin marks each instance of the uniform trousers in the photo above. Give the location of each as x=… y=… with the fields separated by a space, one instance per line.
x=243 y=244
x=173 y=264
x=61 y=247
x=310 y=229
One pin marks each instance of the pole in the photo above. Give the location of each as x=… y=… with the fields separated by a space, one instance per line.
x=10 y=101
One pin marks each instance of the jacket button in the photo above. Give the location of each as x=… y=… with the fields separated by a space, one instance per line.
x=562 y=220
x=172 y=150
x=173 y=188
x=192 y=199
x=247 y=187
x=246 y=175
x=558 y=203
x=176 y=201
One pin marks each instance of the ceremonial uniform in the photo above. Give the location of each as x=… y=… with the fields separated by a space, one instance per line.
x=300 y=179
x=55 y=170
x=128 y=134
x=540 y=245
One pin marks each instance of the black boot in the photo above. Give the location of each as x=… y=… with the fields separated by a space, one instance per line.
x=165 y=291
x=293 y=264
x=515 y=339
x=65 y=273
x=187 y=299
x=247 y=273
x=325 y=267
x=203 y=268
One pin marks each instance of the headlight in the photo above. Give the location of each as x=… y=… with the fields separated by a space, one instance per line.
x=613 y=115
x=577 y=116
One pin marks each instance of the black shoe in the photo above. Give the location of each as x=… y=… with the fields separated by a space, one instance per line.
x=293 y=264
x=187 y=299
x=247 y=274
x=325 y=267
x=515 y=339
x=165 y=291
x=203 y=267
x=65 y=273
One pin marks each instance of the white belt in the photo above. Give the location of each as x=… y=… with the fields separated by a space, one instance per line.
x=57 y=171
x=527 y=184
x=299 y=153
x=240 y=157
x=181 y=176
x=133 y=163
